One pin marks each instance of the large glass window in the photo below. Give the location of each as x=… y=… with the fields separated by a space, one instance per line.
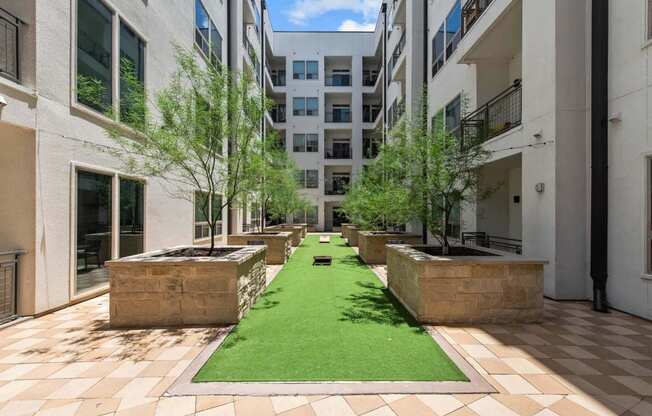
x=453 y=28
x=299 y=106
x=299 y=143
x=453 y=116
x=132 y=74
x=299 y=70
x=132 y=217
x=438 y=49
x=300 y=176
x=207 y=37
x=312 y=143
x=205 y=206
x=312 y=106
x=94 y=55
x=94 y=230
x=312 y=215
x=312 y=70
x=649 y=19
x=312 y=178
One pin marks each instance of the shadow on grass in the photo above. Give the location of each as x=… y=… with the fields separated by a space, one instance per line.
x=267 y=301
x=351 y=260
x=376 y=304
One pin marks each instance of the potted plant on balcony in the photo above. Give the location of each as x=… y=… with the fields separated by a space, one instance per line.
x=180 y=137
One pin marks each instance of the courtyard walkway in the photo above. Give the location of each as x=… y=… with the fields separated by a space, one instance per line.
x=576 y=363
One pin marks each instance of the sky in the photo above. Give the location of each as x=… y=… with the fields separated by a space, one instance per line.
x=355 y=15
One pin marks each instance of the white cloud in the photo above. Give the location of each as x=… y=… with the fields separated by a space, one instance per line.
x=304 y=10
x=352 y=26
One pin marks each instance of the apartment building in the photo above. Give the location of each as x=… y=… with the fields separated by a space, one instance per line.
x=66 y=201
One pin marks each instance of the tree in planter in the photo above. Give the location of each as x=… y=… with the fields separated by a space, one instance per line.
x=200 y=132
x=442 y=173
x=378 y=198
x=276 y=191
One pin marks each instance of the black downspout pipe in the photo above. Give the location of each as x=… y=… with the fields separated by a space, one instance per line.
x=424 y=227
x=229 y=65
x=599 y=151
x=383 y=10
x=263 y=49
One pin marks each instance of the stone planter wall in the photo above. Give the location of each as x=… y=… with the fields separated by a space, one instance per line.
x=296 y=231
x=466 y=290
x=352 y=238
x=151 y=290
x=345 y=230
x=372 y=244
x=278 y=245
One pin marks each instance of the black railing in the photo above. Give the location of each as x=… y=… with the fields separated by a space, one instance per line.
x=471 y=12
x=501 y=114
x=338 y=116
x=396 y=55
x=338 y=80
x=370 y=113
x=278 y=114
x=336 y=187
x=370 y=77
x=9 y=45
x=370 y=148
x=483 y=239
x=341 y=152
x=395 y=112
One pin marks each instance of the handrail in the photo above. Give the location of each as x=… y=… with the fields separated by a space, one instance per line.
x=499 y=115
x=398 y=51
x=471 y=12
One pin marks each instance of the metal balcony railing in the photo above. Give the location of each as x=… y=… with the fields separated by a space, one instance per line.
x=338 y=80
x=8 y=284
x=9 y=45
x=251 y=51
x=278 y=113
x=396 y=55
x=341 y=116
x=338 y=152
x=370 y=148
x=370 y=77
x=395 y=112
x=471 y=12
x=501 y=114
x=370 y=113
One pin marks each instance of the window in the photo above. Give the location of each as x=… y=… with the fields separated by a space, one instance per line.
x=312 y=179
x=132 y=216
x=454 y=225
x=207 y=37
x=305 y=70
x=302 y=106
x=299 y=70
x=299 y=106
x=438 y=120
x=312 y=143
x=309 y=216
x=132 y=74
x=312 y=106
x=312 y=70
x=205 y=206
x=649 y=19
x=453 y=116
x=94 y=55
x=447 y=38
x=300 y=176
x=299 y=143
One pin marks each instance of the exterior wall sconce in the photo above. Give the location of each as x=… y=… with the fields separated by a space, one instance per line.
x=538 y=135
x=615 y=117
x=3 y=102
x=540 y=187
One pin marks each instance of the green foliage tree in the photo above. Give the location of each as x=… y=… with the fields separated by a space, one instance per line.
x=441 y=170
x=200 y=132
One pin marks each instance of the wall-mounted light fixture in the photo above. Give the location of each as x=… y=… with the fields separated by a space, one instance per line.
x=538 y=135
x=3 y=102
x=615 y=117
x=540 y=187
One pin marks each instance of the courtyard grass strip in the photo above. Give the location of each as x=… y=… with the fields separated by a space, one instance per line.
x=335 y=323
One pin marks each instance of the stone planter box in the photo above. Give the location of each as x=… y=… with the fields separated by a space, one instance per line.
x=345 y=230
x=352 y=233
x=372 y=244
x=492 y=287
x=160 y=289
x=304 y=228
x=296 y=231
x=278 y=244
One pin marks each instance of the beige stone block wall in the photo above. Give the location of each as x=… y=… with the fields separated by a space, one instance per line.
x=278 y=245
x=445 y=291
x=345 y=230
x=296 y=231
x=159 y=292
x=372 y=248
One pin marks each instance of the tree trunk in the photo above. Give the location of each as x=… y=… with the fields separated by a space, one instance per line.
x=212 y=230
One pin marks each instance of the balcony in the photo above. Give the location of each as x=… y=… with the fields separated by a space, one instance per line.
x=278 y=113
x=396 y=55
x=370 y=112
x=471 y=12
x=370 y=148
x=339 y=115
x=251 y=51
x=395 y=112
x=370 y=77
x=338 y=151
x=278 y=78
x=501 y=114
x=338 y=185
x=338 y=80
x=9 y=45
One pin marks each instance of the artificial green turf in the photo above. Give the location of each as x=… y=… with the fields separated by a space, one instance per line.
x=334 y=323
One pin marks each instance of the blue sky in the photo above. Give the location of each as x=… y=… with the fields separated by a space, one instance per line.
x=323 y=14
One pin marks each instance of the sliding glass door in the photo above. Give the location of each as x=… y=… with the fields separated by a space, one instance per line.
x=132 y=218
x=94 y=229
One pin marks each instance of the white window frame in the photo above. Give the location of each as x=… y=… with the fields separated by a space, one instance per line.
x=117 y=18
x=116 y=175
